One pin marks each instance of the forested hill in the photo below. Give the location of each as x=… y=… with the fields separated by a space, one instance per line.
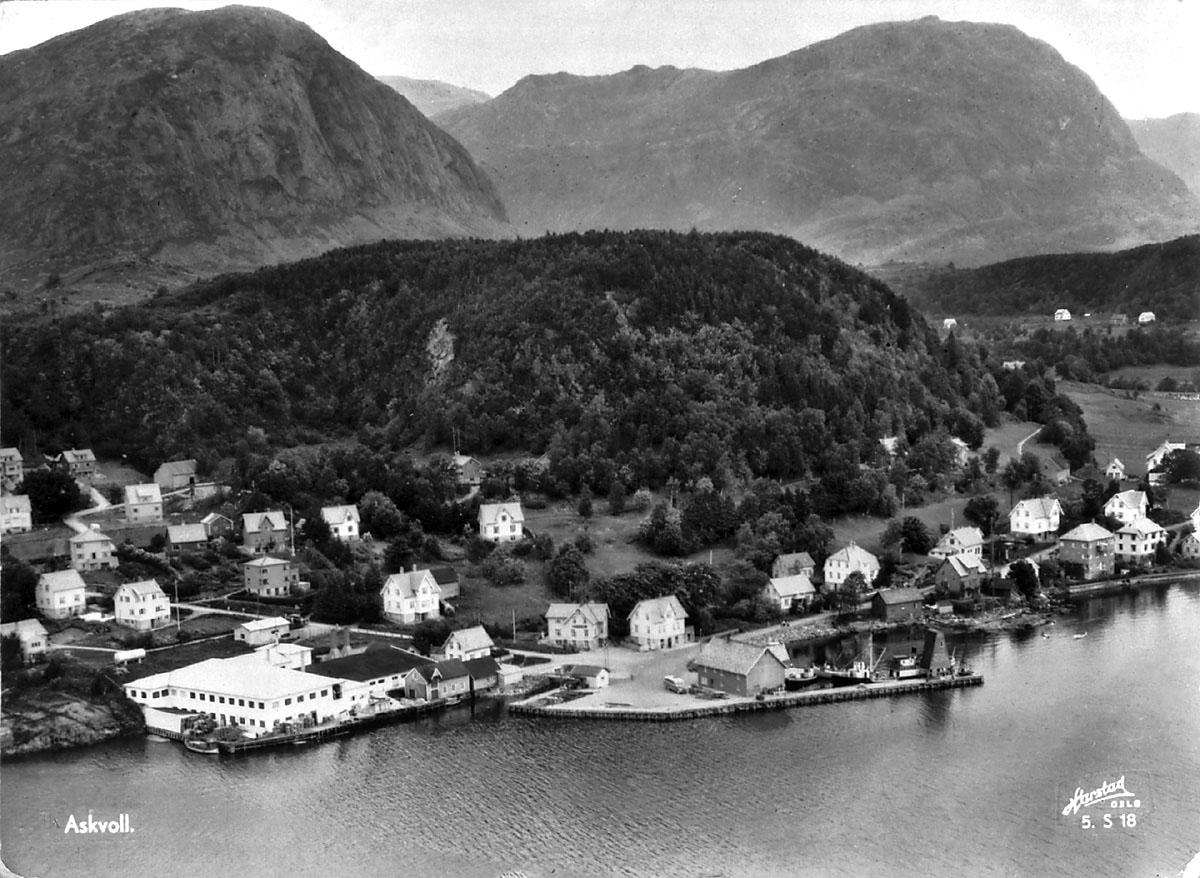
x=666 y=353
x=1163 y=278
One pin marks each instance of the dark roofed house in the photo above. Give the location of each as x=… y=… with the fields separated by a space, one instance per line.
x=447 y=580
x=890 y=604
x=484 y=673
x=185 y=536
x=737 y=667
x=383 y=669
x=432 y=681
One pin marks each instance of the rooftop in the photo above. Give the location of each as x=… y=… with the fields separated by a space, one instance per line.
x=732 y=656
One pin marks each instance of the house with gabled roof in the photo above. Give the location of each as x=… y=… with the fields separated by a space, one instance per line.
x=577 y=626
x=258 y=632
x=411 y=596
x=265 y=531
x=1146 y=317
x=16 y=514
x=960 y=541
x=1127 y=506
x=92 y=550
x=1115 y=470
x=1036 y=517
x=484 y=673
x=142 y=606
x=32 y=635
x=60 y=594
x=467 y=470
x=381 y=669
x=466 y=644
x=217 y=525
x=1156 y=457
x=12 y=467
x=658 y=623
x=738 y=667
x=1091 y=547
x=447 y=579
x=850 y=559
x=588 y=676
x=1189 y=546
x=78 y=462
x=960 y=574
x=791 y=563
x=789 y=592
x=1062 y=314
x=175 y=474
x=501 y=522
x=143 y=504
x=342 y=521
x=890 y=604
x=185 y=537
x=433 y=681
x=1138 y=541
x=1055 y=468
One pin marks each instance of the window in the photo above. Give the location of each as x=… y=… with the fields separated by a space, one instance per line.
x=241 y=702
x=221 y=699
x=287 y=701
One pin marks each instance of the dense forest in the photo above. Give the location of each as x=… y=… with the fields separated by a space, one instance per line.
x=1163 y=278
x=1088 y=354
x=645 y=356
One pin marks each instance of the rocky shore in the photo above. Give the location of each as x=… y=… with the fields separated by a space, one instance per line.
x=67 y=710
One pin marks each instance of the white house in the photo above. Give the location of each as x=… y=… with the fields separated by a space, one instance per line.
x=577 y=626
x=185 y=536
x=1195 y=519
x=342 y=521
x=1155 y=458
x=143 y=504
x=658 y=623
x=591 y=676
x=16 y=514
x=1037 y=517
x=245 y=691
x=1146 y=317
x=501 y=522
x=12 y=466
x=962 y=451
x=1127 y=506
x=466 y=644
x=141 y=605
x=60 y=594
x=1189 y=546
x=467 y=470
x=949 y=323
x=1138 y=540
x=32 y=635
x=79 y=462
x=258 y=632
x=175 y=474
x=786 y=592
x=1062 y=314
x=410 y=597
x=92 y=550
x=960 y=541
x=1115 y=470
x=852 y=559
x=1012 y=365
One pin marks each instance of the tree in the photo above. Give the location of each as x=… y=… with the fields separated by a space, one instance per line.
x=1182 y=466
x=53 y=493
x=501 y=568
x=911 y=534
x=1026 y=579
x=616 y=497
x=430 y=633
x=334 y=603
x=850 y=592
x=982 y=511
x=19 y=590
x=11 y=657
x=567 y=573
x=379 y=515
x=585 y=502
x=991 y=460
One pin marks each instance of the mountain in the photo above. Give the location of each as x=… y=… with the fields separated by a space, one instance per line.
x=923 y=140
x=654 y=354
x=1163 y=278
x=431 y=96
x=213 y=140
x=1174 y=143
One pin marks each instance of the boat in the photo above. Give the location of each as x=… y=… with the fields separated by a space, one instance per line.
x=798 y=678
x=201 y=745
x=859 y=672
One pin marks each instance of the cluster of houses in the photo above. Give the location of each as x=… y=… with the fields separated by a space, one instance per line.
x=654 y=623
x=281 y=686
x=1063 y=315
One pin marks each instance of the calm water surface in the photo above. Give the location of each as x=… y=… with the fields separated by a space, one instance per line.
x=968 y=782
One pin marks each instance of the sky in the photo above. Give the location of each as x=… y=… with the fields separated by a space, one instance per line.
x=1143 y=54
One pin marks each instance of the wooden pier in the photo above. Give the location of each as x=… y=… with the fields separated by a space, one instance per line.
x=882 y=689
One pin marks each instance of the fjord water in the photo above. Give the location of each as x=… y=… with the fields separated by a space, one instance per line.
x=965 y=782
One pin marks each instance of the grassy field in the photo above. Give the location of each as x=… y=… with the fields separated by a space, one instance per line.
x=1154 y=374
x=1131 y=427
x=1006 y=436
